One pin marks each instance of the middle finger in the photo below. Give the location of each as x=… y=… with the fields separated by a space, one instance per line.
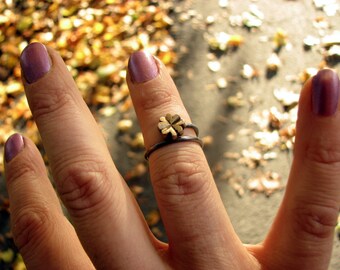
x=193 y=213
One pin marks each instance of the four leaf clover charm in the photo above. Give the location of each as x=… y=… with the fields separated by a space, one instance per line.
x=171 y=126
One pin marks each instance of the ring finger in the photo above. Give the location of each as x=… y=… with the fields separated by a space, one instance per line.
x=102 y=209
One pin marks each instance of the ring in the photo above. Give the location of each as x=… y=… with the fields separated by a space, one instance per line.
x=172 y=128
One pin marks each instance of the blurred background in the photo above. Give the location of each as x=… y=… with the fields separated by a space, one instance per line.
x=239 y=67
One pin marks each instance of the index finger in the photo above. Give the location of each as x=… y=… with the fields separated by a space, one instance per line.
x=310 y=207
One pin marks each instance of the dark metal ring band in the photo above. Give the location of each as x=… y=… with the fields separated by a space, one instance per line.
x=194 y=127
x=168 y=142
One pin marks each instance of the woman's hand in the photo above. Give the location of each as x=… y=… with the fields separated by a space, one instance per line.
x=109 y=230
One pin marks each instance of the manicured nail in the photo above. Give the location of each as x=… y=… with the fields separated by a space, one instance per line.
x=142 y=67
x=35 y=62
x=13 y=146
x=325 y=92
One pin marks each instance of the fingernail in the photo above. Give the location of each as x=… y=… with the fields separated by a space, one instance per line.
x=35 y=62
x=13 y=146
x=142 y=67
x=325 y=92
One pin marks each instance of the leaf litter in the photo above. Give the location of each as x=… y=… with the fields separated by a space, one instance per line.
x=271 y=130
x=95 y=38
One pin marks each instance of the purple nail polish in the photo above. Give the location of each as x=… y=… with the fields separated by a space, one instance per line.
x=325 y=92
x=35 y=62
x=142 y=67
x=13 y=146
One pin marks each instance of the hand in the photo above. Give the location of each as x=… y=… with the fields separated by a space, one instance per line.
x=109 y=231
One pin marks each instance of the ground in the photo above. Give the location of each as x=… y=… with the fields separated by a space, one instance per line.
x=225 y=113
x=253 y=212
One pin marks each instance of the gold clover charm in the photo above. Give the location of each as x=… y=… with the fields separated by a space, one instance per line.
x=171 y=126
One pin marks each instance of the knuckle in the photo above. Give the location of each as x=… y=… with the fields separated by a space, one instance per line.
x=323 y=154
x=31 y=226
x=20 y=170
x=44 y=104
x=184 y=180
x=315 y=222
x=156 y=99
x=84 y=187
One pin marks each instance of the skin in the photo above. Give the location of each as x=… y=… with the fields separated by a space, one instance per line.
x=108 y=230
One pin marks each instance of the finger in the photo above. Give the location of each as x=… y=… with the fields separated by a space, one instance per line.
x=302 y=234
x=41 y=232
x=190 y=205
x=102 y=209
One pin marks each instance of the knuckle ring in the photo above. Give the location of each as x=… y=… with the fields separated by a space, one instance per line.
x=172 y=128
